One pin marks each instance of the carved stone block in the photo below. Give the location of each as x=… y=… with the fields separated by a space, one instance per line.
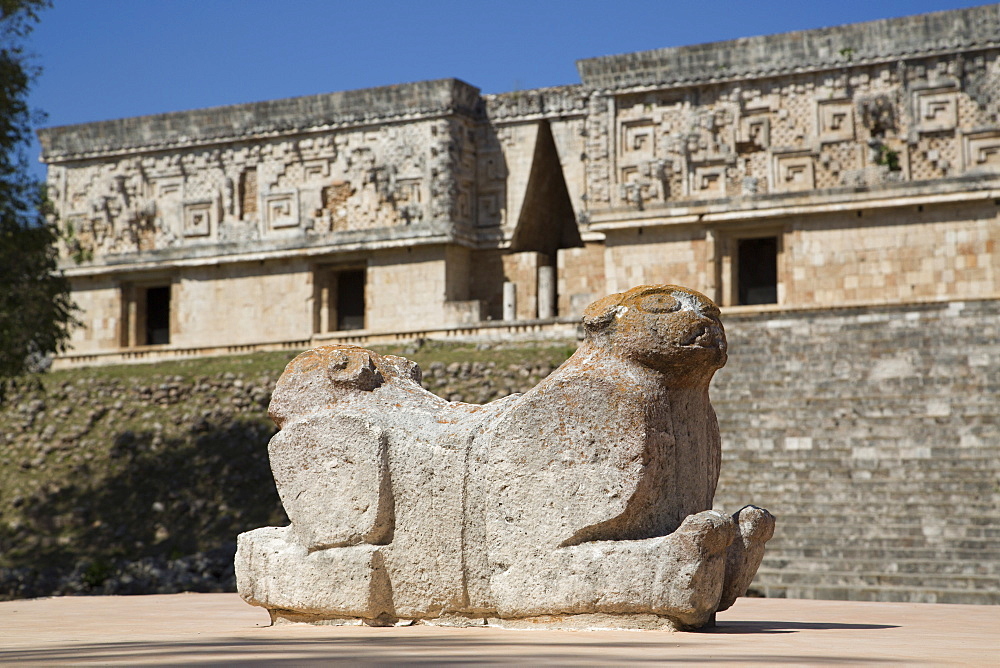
x=489 y=210
x=982 y=151
x=315 y=169
x=586 y=500
x=281 y=209
x=793 y=171
x=936 y=110
x=835 y=120
x=199 y=219
x=707 y=182
x=638 y=139
x=755 y=129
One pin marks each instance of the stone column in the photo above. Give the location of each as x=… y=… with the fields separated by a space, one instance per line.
x=546 y=292
x=509 y=301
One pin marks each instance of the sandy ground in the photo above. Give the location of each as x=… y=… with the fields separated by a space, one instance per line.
x=220 y=629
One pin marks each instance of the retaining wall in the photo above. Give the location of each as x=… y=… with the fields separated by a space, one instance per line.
x=873 y=435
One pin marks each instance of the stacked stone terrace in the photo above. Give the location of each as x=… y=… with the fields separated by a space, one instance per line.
x=876 y=433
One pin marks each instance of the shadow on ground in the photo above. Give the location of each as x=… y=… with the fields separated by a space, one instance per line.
x=789 y=627
x=400 y=651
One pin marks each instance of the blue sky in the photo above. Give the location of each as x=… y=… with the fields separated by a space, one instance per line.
x=105 y=59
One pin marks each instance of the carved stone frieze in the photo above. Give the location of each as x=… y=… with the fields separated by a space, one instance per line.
x=982 y=152
x=374 y=164
x=360 y=180
x=793 y=171
x=520 y=105
x=936 y=110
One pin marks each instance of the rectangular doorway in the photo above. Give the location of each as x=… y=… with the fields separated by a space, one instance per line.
x=340 y=300
x=757 y=271
x=146 y=314
x=157 y=325
x=350 y=300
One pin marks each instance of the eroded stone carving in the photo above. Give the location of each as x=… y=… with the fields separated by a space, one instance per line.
x=585 y=501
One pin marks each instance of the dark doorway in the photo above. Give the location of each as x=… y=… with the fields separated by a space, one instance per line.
x=351 y=300
x=157 y=315
x=757 y=279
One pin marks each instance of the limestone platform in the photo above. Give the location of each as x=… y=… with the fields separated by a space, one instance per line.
x=220 y=629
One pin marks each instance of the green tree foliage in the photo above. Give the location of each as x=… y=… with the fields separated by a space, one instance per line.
x=36 y=312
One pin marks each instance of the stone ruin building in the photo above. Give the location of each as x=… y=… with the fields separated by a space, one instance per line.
x=843 y=166
x=836 y=190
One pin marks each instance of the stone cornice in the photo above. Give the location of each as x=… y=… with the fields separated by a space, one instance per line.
x=242 y=122
x=766 y=207
x=886 y=40
x=524 y=105
x=212 y=255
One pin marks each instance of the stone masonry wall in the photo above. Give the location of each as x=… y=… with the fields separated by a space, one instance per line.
x=222 y=305
x=98 y=297
x=823 y=48
x=874 y=437
x=896 y=255
x=581 y=278
x=406 y=288
x=660 y=255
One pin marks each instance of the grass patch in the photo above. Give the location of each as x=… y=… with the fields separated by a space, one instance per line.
x=250 y=364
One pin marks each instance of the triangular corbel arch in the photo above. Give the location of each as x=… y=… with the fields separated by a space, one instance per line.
x=546 y=221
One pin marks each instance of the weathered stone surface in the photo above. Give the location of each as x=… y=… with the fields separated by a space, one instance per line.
x=886 y=40
x=588 y=495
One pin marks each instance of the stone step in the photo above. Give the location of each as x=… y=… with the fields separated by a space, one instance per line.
x=850 y=410
x=839 y=402
x=833 y=515
x=886 y=593
x=868 y=477
x=919 y=492
x=839 y=543
x=926 y=494
x=964 y=528
x=902 y=460
x=876 y=511
x=845 y=452
x=942 y=519
x=972 y=493
x=879 y=537
x=788 y=577
x=802 y=551
x=923 y=494
x=881 y=564
x=875 y=540
x=909 y=536
x=905 y=455
x=909 y=567
x=790 y=478
x=794 y=478
x=825 y=553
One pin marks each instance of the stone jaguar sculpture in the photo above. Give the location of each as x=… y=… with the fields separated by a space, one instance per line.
x=582 y=502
